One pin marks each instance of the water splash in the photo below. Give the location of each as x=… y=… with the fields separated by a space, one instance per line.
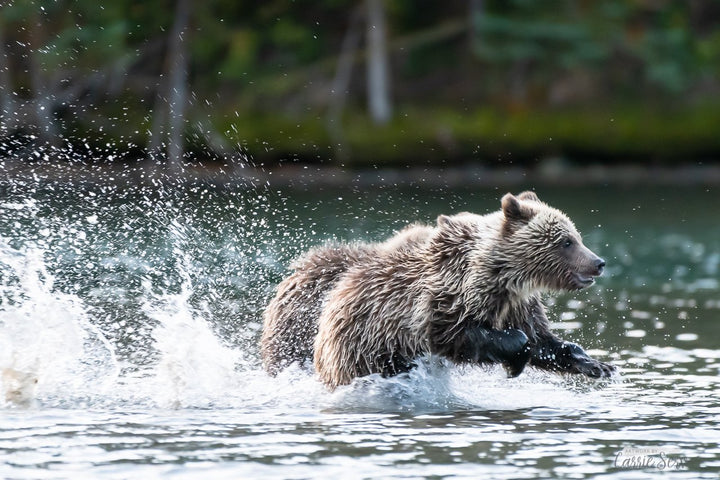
x=153 y=298
x=160 y=324
x=48 y=347
x=195 y=367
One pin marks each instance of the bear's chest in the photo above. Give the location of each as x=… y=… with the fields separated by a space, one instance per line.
x=512 y=314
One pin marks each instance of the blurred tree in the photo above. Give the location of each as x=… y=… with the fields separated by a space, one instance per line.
x=378 y=65
x=40 y=85
x=171 y=102
x=7 y=103
x=63 y=58
x=341 y=83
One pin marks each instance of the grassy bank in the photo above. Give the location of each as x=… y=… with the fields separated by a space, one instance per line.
x=438 y=136
x=425 y=136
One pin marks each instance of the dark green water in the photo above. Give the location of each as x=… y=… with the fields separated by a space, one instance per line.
x=138 y=311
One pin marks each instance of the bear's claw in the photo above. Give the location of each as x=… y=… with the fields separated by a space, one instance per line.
x=566 y=357
x=580 y=362
x=595 y=369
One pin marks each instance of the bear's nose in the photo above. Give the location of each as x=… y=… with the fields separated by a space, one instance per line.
x=600 y=265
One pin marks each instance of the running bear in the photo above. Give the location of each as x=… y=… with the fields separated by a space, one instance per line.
x=467 y=289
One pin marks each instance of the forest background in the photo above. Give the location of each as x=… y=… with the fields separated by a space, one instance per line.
x=362 y=83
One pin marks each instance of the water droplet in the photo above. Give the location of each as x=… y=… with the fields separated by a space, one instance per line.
x=686 y=337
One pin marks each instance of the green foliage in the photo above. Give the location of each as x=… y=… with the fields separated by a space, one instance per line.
x=296 y=41
x=487 y=86
x=670 y=58
x=242 y=51
x=587 y=36
x=438 y=134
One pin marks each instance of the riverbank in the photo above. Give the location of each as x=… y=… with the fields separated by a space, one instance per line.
x=551 y=171
x=440 y=136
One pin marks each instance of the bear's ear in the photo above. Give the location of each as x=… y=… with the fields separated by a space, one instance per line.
x=443 y=221
x=528 y=195
x=515 y=210
x=456 y=223
x=461 y=217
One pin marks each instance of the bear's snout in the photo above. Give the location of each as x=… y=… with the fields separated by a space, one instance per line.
x=599 y=266
x=587 y=268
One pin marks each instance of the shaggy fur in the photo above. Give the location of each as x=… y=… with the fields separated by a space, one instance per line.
x=290 y=320
x=468 y=290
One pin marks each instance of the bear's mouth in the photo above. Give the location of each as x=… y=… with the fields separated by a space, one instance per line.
x=583 y=281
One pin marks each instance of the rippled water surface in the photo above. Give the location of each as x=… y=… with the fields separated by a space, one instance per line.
x=129 y=320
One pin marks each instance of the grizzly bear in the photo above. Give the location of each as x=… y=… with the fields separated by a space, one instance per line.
x=467 y=289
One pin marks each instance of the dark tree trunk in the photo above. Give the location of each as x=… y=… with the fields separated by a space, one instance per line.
x=378 y=65
x=168 y=117
x=42 y=103
x=341 y=84
x=7 y=105
x=158 y=136
x=178 y=85
x=476 y=13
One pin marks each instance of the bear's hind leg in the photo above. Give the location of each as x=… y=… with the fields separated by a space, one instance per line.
x=394 y=364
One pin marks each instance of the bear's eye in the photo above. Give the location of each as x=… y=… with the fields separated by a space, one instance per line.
x=567 y=243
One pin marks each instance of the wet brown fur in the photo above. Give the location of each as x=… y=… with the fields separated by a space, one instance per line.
x=290 y=320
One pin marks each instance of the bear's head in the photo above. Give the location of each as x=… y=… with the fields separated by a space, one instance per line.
x=540 y=248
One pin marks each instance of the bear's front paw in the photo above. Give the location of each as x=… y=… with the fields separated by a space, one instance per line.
x=516 y=352
x=594 y=368
x=582 y=363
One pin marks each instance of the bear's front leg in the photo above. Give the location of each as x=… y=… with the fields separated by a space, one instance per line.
x=485 y=345
x=559 y=356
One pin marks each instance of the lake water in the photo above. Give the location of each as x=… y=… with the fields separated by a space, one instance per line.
x=129 y=320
